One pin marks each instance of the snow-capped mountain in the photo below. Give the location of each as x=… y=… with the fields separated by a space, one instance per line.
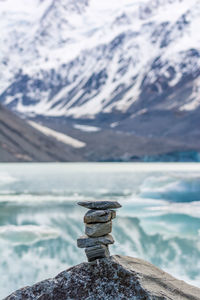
x=116 y=63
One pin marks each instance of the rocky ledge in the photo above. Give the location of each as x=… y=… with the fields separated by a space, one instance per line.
x=117 y=277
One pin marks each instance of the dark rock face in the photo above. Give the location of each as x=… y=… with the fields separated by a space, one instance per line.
x=85 y=241
x=118 y=277
x=96 y=252
x=95 y=216
x=98 y=229
x=20 y=142
x=99 y=204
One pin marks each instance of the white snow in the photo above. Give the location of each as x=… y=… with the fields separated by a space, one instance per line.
x=61 y=137
x=87 y=128
x=114 y=124
x=39 y=37
x=195 y=98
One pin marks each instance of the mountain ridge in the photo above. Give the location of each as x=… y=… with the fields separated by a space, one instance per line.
x=127 y=68
x=123 y=51
x=20 y=142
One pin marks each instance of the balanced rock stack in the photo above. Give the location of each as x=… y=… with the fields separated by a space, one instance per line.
x=98 y=225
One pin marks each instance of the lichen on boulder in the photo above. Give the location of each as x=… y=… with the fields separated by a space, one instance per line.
x=114 y=278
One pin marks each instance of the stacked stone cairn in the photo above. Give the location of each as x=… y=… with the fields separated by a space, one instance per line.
x=98 y=226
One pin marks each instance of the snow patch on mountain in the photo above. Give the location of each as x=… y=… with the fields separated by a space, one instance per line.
x=58 y=136
x=82 y=58
x=87 y=128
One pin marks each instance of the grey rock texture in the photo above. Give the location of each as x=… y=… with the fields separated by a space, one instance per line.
x=100 y=204
x=98 y=229
x=19 y=142
x=96 y=252
x=113 y=214
x=98 y=225
x=123 y=146
x=97 y=216
x=85 y=241
x=116 y=278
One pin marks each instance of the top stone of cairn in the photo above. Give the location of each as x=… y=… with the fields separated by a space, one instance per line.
x=100 y=204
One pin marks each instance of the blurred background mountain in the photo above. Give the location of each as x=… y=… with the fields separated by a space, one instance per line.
x=100 y=80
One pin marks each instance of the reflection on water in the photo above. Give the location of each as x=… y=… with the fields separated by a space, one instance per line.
x=40 y=221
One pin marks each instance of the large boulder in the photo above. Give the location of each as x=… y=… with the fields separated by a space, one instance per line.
x=119 y=277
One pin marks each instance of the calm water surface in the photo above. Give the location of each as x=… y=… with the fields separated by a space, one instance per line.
x=40 y=221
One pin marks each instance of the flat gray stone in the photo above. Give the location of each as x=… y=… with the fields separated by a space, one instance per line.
x=113 y=214
x=98 y=229
x=96 y=252
x=85 y=241
x=97 y=216
x=100 y=204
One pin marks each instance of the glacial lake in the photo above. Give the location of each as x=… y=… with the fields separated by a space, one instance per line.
x=40 y=220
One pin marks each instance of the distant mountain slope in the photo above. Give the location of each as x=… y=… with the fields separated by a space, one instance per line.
x=128 y=68
x=105 y=144
x=21 y=142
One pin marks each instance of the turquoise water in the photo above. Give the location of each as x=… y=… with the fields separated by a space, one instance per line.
x=40 y=221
